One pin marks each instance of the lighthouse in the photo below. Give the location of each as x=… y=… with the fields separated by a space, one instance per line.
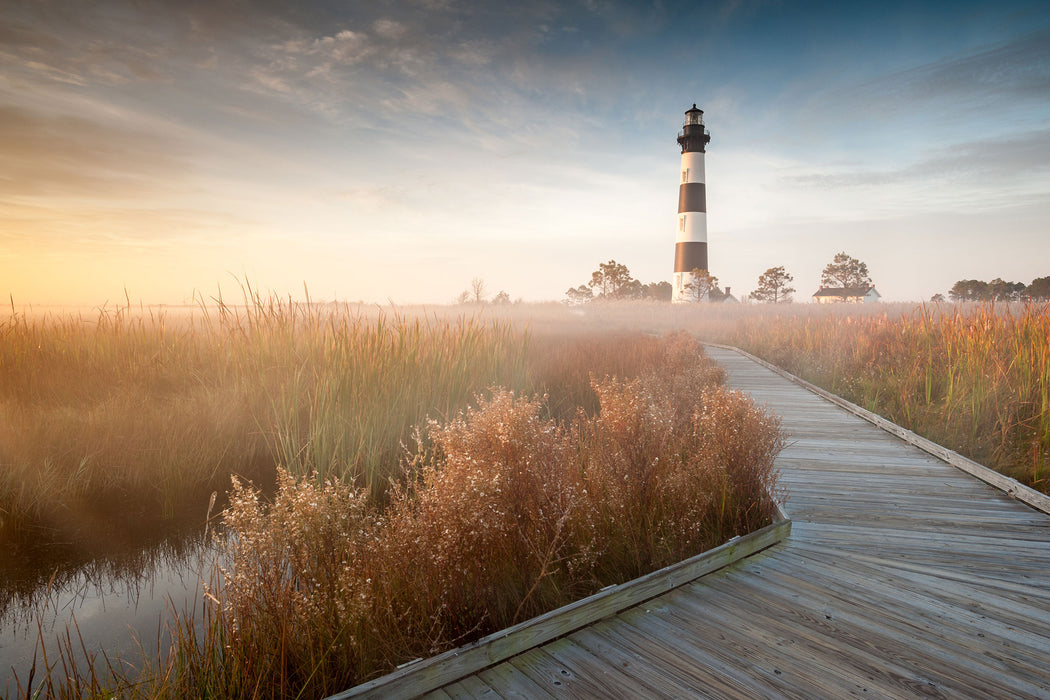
x=690 y=249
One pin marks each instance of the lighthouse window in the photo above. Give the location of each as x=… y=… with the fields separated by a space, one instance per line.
x=681 y=223
x=685 y=175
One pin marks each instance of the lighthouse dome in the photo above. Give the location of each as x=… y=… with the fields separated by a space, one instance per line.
x=694 y=116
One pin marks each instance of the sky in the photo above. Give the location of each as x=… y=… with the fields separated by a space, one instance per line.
x=395 y=150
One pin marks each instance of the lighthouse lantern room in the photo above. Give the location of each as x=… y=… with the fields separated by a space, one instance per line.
x=690 y=251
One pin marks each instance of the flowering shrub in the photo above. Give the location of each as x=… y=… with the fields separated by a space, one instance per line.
x=505 y=513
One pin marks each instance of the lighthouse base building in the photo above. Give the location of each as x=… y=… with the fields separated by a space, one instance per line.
x=690 y=250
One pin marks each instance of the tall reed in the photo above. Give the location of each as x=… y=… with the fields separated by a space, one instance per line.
x=130 y=415
x=507 y=513
x=504 y=511
x=973 y=378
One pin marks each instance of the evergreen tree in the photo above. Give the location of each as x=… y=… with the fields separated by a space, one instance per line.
x=845 y=272
x=773 y=286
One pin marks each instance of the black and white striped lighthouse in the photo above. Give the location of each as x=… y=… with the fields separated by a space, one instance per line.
x=690 y=249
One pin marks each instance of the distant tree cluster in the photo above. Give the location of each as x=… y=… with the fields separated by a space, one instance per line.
x=1000 y=290
x=843 y=272
x=612 y=281
x=478 y=293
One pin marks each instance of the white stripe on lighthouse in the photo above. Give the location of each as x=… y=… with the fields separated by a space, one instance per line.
x=693 y=162
x=692 y=226
x=691 y=237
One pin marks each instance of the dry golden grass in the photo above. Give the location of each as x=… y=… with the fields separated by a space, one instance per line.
x=506 y=513
x=972 y=377
x=510 y=505
x=975 y=378
x=128 y=418
x=602 y=453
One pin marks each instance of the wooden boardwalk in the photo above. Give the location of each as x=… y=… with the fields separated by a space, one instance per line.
x=902 y=577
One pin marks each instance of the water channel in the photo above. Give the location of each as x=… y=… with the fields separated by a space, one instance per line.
x=117 y=604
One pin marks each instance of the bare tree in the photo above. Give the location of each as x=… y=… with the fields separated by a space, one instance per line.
x=477 y=286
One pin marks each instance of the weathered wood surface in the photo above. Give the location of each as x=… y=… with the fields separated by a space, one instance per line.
x=903 y=576
x=454 y=667
x=1037 y=500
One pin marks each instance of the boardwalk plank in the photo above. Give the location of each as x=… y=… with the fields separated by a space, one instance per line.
x=791 y=658
x=558 y=679
x=512 y=683
x=631 y=663
x=723 y=671
x=697 y=668
x=868 y=634
x=903 y=576
x=612 y=677
x=471 y=687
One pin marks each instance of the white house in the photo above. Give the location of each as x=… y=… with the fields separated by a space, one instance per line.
x=848 y=295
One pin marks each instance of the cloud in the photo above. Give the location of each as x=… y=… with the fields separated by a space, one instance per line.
x=50 y=155
x=992 y=163
x=971 y=90
x=345 y=46
x=389 y=29
x=1017 y=69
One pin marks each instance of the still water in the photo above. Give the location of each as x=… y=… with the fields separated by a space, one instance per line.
x=118 y=606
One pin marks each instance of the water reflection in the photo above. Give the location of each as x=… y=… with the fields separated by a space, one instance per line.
x=118 y=605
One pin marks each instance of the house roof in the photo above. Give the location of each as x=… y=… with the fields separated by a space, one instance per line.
x=845 y=291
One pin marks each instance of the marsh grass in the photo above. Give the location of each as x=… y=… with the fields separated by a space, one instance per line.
x=599 y=453
x=973 y=378
x=125 y=417
x=505 y=513
x=495 y=511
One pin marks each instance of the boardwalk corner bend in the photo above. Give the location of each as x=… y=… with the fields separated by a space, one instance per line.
x=895 y=609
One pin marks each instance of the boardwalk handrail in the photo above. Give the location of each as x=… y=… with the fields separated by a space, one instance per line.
x=421 y=676
x=1011 y=487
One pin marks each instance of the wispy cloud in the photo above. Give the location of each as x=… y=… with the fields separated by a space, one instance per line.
x=970 y=90
x=1018 y=69
x=49 y=155
x=1021 y=163
x=467 y=125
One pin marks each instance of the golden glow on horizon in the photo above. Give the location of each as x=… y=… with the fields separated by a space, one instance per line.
x=166 y=149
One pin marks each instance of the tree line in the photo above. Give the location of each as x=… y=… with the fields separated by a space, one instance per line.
x=998 y=290
x=612 y=281
x=478 y=293
x=843 y=272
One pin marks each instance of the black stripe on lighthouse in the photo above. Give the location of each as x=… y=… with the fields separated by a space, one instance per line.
x=689 y=256
x=692 y=196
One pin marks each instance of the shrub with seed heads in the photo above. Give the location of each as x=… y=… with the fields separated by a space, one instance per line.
x=507 y=513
